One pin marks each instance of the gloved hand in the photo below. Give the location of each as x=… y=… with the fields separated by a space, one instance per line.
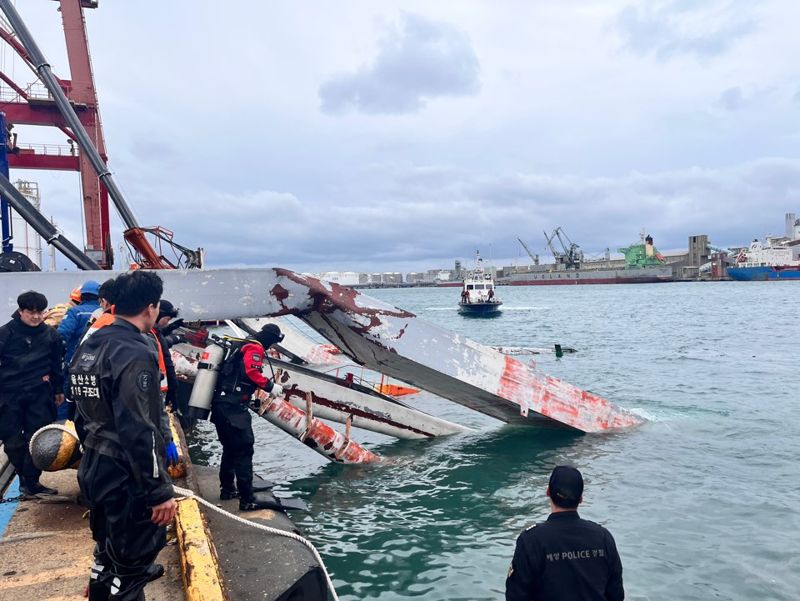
x=174 y=339
x=171 y=327
x=276 y=390
x=172 y=454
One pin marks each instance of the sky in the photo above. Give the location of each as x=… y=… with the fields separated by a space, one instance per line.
x=368 y=136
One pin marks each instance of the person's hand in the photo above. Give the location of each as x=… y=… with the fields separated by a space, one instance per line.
x=276 y=390
x=59 y=398
x=172 y=454
x=163 y=513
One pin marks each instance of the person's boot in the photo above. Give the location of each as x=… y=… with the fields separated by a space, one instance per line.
x=254 y=504
x=226 y=494
x=100 y=579
x=128 y=583
x=33 y=489
x=40 y=489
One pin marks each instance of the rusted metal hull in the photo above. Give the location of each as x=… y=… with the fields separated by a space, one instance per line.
x=338 y=403
x=337 y=400
x=377 y=335
x=312 y=432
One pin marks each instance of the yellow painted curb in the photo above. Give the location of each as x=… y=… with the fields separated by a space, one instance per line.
x=201 y=576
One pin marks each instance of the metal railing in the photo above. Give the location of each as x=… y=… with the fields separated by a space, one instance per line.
x=49 y=149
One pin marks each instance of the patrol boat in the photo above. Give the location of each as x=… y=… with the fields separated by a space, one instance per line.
x=477 y=293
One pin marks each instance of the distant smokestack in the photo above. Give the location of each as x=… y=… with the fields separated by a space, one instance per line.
x=792 y=227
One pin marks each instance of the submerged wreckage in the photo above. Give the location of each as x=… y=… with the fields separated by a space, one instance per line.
x=372 y=334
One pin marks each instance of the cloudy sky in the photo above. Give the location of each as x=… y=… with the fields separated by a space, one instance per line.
x=374 y=136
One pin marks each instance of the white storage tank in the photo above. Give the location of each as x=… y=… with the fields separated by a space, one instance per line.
x=25 y=239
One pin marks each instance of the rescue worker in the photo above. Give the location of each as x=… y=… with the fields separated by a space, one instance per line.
x=103 y=316
x=239 y=377
x=74 y=324
x=566 y=557
x=115 y=382
x=168 y=380
x=53 y=317
x=72 y=328
x=31 y=368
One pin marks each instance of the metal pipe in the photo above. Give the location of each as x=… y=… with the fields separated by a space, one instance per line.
x=65 y=108
x=5 y=214
x=43 y=227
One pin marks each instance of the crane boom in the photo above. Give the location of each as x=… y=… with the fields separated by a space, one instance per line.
x=534 y=258
x=134 y=234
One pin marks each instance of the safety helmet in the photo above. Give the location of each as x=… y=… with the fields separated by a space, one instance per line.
x=75 y=295
x=90 y=287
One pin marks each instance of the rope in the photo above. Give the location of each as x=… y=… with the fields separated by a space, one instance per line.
x=186 y=493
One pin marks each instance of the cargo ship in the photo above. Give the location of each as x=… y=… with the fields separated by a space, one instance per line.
x=773 y=259
x=643 y=265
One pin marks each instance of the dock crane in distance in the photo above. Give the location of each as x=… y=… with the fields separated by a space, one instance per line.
x=534 y=258
x=570 y=255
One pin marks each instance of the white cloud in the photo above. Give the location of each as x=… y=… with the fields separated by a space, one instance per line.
x=672 y=27
x=425 y=59
x=214 y=128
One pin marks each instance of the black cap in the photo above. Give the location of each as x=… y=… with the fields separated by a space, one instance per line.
x=566 y=486
x=167 y=309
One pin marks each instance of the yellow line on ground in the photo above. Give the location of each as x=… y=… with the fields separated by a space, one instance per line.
x=201 y=575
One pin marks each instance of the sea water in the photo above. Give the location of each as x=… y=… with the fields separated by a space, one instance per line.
x=703 y=500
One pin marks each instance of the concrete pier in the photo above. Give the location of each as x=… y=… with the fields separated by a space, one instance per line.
x=256 y=564
x=46 y=550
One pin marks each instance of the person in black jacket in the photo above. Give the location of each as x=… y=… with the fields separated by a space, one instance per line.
x=31 y=368
x=566 y=557
x=114 y=379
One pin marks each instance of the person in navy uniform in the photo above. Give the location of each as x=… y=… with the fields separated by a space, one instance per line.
x=566 y=557
x=240 y=376
x=114 y=380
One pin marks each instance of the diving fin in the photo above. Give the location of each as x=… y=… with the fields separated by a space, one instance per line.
x=261 y=485
x=292 y=504
x=286 y=504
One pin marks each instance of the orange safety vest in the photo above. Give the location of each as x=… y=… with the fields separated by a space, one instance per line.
x=105 y=319
x=162 y=365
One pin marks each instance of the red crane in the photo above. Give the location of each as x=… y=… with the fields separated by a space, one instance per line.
x=78 y=96
x=32 y=108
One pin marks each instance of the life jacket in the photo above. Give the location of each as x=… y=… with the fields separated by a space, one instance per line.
x=162 y=365
x=103 y=320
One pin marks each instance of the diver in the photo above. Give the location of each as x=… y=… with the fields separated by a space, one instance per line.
x=239 y=377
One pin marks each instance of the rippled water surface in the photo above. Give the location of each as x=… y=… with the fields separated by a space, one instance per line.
x=703 y=500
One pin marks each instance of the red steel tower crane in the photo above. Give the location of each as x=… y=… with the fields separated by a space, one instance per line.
x=71 y=105
x=32 y=108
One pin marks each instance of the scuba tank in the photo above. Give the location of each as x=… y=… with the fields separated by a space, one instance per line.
x=205 y=382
